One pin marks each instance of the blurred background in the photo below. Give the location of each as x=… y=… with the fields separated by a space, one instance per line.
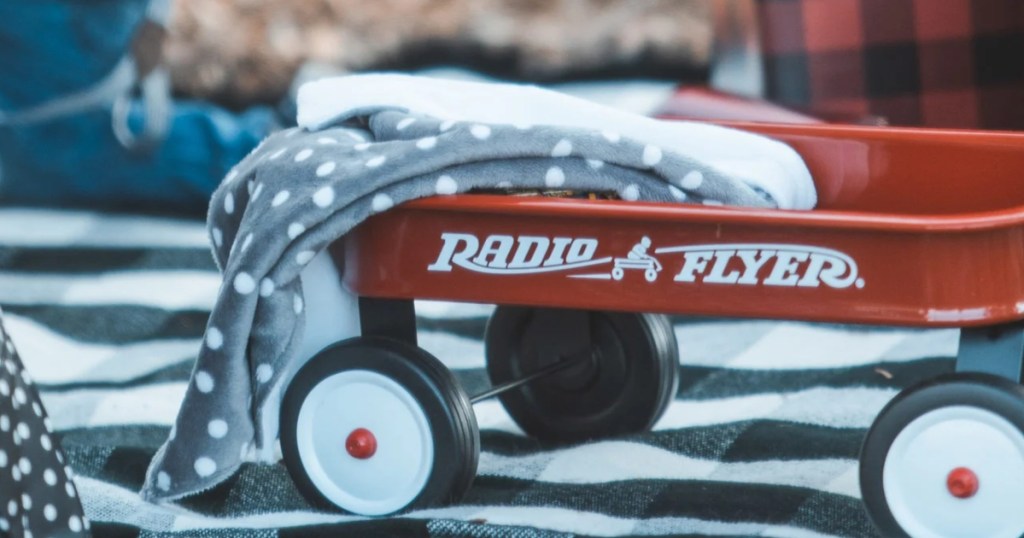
x=243 y=52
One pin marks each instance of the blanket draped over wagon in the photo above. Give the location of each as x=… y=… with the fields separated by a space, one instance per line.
x=305 y=188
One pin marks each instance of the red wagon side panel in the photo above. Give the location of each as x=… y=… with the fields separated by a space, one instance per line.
x=824 y=266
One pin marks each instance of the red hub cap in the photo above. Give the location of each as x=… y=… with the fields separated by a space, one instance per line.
x=361 y=444
x=962 y=483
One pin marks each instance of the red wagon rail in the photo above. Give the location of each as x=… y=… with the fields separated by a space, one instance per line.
x=916 y=227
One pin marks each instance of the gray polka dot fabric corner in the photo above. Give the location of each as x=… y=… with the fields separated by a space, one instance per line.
x=300 y=191
x=37 y=495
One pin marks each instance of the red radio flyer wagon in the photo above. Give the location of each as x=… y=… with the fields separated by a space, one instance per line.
x=914 y=227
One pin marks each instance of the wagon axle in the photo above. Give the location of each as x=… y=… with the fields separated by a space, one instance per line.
x=561 y=365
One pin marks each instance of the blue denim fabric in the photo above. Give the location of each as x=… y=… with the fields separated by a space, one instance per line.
x=50 y=48
x=77 y=161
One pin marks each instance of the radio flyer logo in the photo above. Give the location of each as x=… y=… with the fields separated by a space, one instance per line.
x=741 y=264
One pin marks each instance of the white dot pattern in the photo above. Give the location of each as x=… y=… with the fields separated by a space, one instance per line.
x=554 y=178
x=692 y=180
x=214 y=338
x=324 y=197
x=562 y=149
x=244 y=284
x=33 y=479
x=446 y=185
x=303 y=155
x=329 y=180
x=382 y=202
x=652 y=155
x=325 y=168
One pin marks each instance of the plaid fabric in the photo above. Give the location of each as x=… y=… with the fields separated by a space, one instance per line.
x=940 y=63
x=762 y=439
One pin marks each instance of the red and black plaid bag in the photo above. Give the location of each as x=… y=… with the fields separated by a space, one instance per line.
x=941 y=63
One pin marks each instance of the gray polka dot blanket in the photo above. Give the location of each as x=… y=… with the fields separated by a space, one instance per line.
x=37 y=496
x=302 y=190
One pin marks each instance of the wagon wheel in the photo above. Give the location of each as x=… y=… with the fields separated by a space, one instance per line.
x=618 y=273
x=626 y=376
x=946 y=458
x=375 y=426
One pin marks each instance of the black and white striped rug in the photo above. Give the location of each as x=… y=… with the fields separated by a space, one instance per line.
x=762 y=439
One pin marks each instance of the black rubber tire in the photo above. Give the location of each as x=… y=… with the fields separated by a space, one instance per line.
x=453 y=425
x=996 y=394
x=632 y=379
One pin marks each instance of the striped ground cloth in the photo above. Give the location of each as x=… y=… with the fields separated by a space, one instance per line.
x=108 y=312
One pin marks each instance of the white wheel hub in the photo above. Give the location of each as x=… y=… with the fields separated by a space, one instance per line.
x=930 y=448
x=397 y=470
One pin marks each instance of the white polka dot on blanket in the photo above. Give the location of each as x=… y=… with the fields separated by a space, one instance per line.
x=280 y=198
x=446 y=185
x=267 y=287
x=374 y=162
x=25 y=465
x=229 y=203
x=295 y=229
x=382 y=202
x=205 y=466
x=50 y=512
x=480 y=132
x=630 y=193
x=256 y=191
x=44 y=441
x=246 y=242
x=217 y=428
x=554 y=177
x=3 y=458
x=326 y=140
x=75 y=524
x=19 y=396
x=5 y=388
x=562 y=149
x=324 y=197
x=692 y=180
x=406 y=122
x=218 y=237
x=595 y=163
x=264 y=372
x=297 y=304
x=677 y=193
x=277 y=154
x=163 y=481
x=362 y=146
x=611 y=136
x=5 y=423
x=69 y=488
x=204 y=381
x=303 y=155
x=445 y=125
x=427 y=142
x=651 y=156
x=713 y=202
x=302 y=258
x=325 y=168
x=214 y=338
x=244 y=284
x=26 y=501
x=50 y=477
